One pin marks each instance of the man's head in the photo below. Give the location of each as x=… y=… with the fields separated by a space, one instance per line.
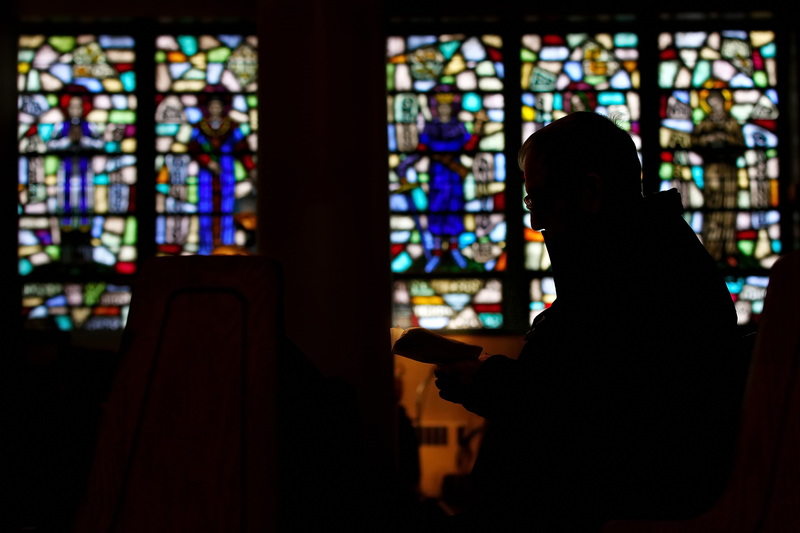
x=578 y=168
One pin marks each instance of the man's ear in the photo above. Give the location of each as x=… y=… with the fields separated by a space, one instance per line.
x=592 y=193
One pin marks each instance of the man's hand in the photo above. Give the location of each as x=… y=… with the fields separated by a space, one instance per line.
x=455 y=379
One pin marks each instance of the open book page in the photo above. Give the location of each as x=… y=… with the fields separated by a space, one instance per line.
x=426 y=346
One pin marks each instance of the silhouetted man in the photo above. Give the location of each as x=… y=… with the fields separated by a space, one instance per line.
x=621 y=402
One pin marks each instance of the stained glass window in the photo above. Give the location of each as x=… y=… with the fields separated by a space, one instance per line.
x=81 y=171
x=564 y=73
x=206 y=139
x=719 y=146
x=77 y=177
x=447 y=172
x=703 y=114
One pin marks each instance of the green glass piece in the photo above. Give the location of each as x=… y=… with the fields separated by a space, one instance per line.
x=122 y=116
x=760 y=79
x=131 y=225
x=92 y=292
x=62 y=43
x=665 y=171
x=527 y=55
x=747 y=247
x=239 y=170
x=219 y=55
x=51 y=164
x=160 y=56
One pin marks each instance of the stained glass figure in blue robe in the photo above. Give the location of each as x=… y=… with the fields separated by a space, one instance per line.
x=78 y=139
x=443 y=138
x=214 y=141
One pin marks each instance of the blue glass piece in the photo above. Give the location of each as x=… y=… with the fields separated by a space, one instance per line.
x=621 y=80
x=193 y=115
x=25 y=267
x=399 y=237
x=449 y=48
x=496 y=115
x=63 y=322
x=678 y=124
x=176 y=70
x=416 y=41
x=398 y=202
x=498 y=233
x=698 y=176
x=45 y=131
x=574 y=70
x=473 y=50
x=59 y=300
x=214 y=72
x=38 y=312
x=231 y=41
x=471 y=102
x=188 y=44
x=500 y=167
x=626 y=40
x=433 y=322
x=465 y=239
x=128 y=80
x=391 y=137
x=459 y=259
x=432 y=262
x=119 y=101
x=528 y=99
x=420 y=199
x=457 y=300
x=491 y=320
x=97 y=227
x=734 y=285
x=758 y=137
x=62 y=72
x=554 y=53
x=741 y=81
x=92 y=85
x=115 y=41
x=611 y=98
x=167 y=129
x=424 y=85
x=500 y=69
x=735 y=34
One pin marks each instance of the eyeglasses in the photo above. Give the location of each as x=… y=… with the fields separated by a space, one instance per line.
x=528 y=203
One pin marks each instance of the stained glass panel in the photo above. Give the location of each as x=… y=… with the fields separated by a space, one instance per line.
x=719 y=117
x=447 y=169
x=76 y=167
x=206 y=140
x=564 y=73
x=447 y=173
x=465 y=303
x=542 y=295
x=86 y=306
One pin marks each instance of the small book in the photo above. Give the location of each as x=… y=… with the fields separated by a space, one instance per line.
x=426 y=346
